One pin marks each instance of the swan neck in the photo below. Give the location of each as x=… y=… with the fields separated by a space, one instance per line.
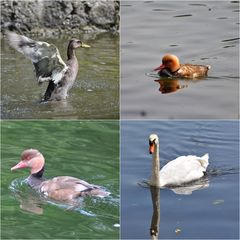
x=155 y=179
x=156 y=155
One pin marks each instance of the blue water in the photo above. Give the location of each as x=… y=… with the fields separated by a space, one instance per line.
x=211 y=212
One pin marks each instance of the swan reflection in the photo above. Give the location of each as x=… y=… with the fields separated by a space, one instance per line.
x=188 y=189
x=155 y=196
x=154 y=229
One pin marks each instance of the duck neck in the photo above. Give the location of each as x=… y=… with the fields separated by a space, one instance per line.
x=39 y=174
x=155 y=178
x=70 y=52
x=35 y=180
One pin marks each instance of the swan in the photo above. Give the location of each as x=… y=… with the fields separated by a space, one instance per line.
x=181 y=170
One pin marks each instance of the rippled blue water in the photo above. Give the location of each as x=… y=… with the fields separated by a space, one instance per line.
x=209 y=213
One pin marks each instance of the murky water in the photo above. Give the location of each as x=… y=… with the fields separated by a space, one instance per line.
x=88 y=150
x=95 y=94
x=211 y=212
x=197 y=32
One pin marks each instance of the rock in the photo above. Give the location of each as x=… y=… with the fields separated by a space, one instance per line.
x=103 y=13
x=60 y=15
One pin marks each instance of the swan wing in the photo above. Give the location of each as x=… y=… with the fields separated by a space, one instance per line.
x=183 y=169
x=45 y=57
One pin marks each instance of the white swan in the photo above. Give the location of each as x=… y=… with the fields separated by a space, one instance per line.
x=182 y=170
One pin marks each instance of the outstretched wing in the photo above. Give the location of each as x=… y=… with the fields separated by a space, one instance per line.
x=46 y=58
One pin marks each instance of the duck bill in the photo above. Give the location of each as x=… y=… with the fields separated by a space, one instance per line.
x=151 y=148
x=85 y=45
x=159 y=68
x=21 y=164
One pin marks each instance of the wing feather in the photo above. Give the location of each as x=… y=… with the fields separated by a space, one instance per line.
x=46 y=58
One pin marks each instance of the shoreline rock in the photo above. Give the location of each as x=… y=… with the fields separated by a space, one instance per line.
x=41 y=17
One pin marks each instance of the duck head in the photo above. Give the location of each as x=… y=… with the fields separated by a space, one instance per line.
x=76 y=43
x=153 y=141
x=169 y=62
x=31 y=158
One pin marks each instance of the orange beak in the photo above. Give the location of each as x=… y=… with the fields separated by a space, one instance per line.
x=21 y=164
x=151 y=148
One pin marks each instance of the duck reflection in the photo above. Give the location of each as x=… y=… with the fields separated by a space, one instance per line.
x=171 y=85
x=154 y=229
x=30 y=203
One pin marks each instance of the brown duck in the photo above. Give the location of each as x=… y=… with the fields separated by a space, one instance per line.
x=64 y=188
x=171 y=67
x=48 y=63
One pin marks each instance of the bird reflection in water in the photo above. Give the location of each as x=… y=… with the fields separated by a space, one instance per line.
x=155 y=195
x=188 y=189
x=154 y=229
x=170 y=85
x=29 y=203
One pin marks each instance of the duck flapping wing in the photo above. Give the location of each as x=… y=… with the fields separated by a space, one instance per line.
x=46 y=58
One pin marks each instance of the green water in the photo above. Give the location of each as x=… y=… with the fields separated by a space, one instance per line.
x=95 y=94
x=88 y=150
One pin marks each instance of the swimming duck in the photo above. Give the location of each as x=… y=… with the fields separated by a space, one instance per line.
x=177 y=172
x=64 y=188
x=48 y=63
x=171 y=67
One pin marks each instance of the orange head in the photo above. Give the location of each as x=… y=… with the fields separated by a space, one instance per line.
x=31 y=158
x=169 y=62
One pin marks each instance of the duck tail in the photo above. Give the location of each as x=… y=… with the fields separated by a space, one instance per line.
x=204 y=160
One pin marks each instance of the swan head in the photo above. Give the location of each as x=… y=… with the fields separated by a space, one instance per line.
x=153 y=141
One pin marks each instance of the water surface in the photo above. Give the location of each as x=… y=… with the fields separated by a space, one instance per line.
x=88 y=150
x=209 y=213
x=95 y=94
x=199 y=33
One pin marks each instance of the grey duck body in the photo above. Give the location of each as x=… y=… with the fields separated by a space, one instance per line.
x=48 y=63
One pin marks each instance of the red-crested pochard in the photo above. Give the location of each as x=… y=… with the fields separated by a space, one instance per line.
x=171 y=67
x=63 y=188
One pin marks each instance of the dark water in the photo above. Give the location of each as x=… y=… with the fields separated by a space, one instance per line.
x=197 y=32
x=88 y=150
x=95 y=94
x=209 y=213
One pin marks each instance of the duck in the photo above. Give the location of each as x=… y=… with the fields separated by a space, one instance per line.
x=171 y=67
x=63 y=188
x=180 y=171
x=48 y=63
